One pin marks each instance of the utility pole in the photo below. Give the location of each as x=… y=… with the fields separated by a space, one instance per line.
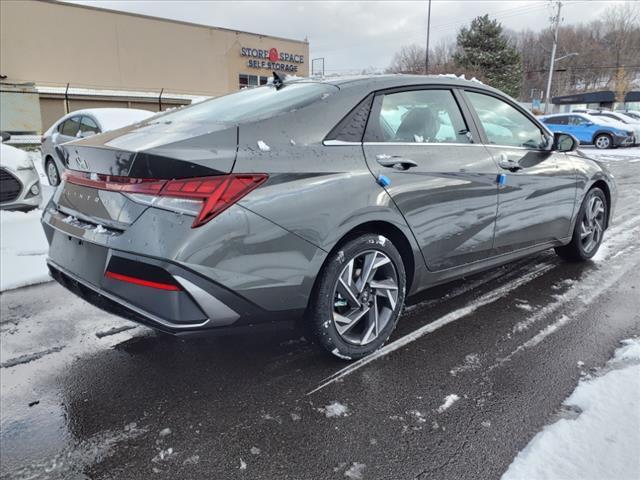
x=556 y=22
x=426 y=58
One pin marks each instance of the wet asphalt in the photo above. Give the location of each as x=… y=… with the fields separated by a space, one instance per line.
x=84 y=395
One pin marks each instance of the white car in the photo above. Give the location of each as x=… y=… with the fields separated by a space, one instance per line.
x=19 y=180
x=82 y=124
x=635 y=114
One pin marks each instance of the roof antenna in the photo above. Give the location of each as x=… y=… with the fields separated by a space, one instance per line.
x=278 y=81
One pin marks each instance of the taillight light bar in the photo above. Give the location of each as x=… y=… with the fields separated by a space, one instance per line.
x=215 y=193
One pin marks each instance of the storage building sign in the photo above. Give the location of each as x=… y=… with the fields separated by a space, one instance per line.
x=272 y=59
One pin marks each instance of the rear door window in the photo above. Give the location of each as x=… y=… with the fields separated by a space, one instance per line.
x=418 y=116
x=71 y=127
x=504 y=124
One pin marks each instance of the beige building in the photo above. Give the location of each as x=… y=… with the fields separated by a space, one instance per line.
x=82 y=57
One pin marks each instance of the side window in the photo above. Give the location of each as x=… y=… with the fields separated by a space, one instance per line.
x=503 y=124
x=87 y=124
x=71 y=127
x=577 y=121
x=418 y=116
x=556 y=120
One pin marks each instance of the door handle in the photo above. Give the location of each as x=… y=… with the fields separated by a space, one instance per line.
x=395 y=161
x=509 y=164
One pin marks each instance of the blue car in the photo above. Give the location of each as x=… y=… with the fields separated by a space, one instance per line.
x=590 y=130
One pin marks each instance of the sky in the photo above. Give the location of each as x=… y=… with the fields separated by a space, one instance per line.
x=351 y=35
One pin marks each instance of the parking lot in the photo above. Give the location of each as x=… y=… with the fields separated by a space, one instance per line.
x=474 y=370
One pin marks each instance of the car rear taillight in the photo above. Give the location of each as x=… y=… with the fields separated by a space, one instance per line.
x=204 y=197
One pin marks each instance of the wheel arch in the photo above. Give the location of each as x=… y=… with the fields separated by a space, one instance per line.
x=390 y=231
x=601 y=132
x=602 y=185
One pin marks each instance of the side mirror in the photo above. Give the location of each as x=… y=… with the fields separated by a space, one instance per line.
x=564 y=142
x=588 y=124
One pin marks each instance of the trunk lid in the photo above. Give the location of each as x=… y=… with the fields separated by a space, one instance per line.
x=158 y=151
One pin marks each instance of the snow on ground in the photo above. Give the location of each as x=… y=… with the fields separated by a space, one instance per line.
x=23 y=250
x=335 y=409
x=616 y=154
x=448 y=401
x=602 y=440
x=23 y=246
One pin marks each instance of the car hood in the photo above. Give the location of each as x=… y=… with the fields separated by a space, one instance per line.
x=14 y=158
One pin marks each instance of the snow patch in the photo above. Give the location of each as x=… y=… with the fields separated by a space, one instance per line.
x=255 y=451
x=23 y=250
x=243 y=465
x=381 y=240
x=448 y=401
x=335 y=409
x=340 y=355
x=601 y=439
x=471 y=362
x=355 y=471
x=263 y=146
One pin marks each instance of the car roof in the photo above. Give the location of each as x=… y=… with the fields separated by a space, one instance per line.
x=380 y=82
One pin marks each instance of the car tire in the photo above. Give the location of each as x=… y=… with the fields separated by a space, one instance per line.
x=53 y=175
x=603 y=141
x=589 y=229
x=352 y=313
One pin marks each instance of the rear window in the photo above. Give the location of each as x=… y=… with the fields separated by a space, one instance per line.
x=252 y=104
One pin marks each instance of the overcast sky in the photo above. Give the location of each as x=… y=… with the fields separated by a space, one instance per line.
x=356 y=35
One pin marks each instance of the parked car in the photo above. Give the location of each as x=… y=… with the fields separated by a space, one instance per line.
x=590 y=130
x=19 y=180
x=625 y=120
x=315 y=201
x=82 y=124
x=631 y=113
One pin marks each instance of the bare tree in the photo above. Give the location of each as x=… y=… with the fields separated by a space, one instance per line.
x=409 y=59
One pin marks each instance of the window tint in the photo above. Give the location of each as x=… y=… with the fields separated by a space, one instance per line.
x=421 y=116
x=87 y=124
x=504 y=125
x=556 y=120
x=577 y=120
x=70 y=127
x=252 y=103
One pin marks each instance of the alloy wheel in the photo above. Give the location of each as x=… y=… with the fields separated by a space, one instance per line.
x=603 y=141
x=52 y=174
x=365 y=297
x=592 y=224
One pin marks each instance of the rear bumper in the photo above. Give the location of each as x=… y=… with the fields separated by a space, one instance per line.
x=197 y=306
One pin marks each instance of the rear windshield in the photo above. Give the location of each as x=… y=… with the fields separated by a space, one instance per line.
x=252 y=104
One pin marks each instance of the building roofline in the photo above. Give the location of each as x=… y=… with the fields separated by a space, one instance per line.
x=170 y=20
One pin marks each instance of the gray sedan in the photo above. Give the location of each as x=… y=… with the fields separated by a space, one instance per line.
x=326 y=203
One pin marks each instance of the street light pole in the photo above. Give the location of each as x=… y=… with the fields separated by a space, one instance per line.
x=556 y=20
x=426 y=58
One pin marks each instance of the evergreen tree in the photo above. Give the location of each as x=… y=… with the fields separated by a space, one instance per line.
x=485 y=52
